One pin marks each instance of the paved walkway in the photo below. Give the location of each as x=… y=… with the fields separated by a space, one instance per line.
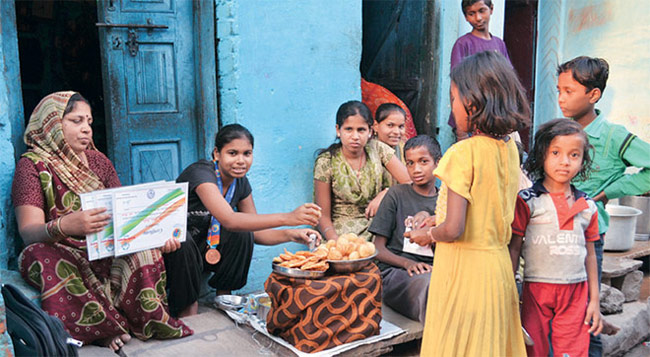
x=216 y=334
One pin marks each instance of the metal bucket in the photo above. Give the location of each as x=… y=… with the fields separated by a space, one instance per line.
x=620 y=235
x=643 y=221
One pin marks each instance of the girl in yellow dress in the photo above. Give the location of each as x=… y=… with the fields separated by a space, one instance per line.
x=473 y=307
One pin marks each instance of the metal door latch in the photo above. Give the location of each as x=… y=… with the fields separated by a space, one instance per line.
x=132 y=39
x=132 y=42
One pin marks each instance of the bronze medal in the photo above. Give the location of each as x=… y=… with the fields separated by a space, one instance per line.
x=212 y=256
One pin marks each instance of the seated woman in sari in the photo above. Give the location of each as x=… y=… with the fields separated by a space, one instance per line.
x=348 y=176
x=223 y=224
x=103 y=301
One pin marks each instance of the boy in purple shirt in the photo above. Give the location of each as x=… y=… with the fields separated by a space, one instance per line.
x=477 y=13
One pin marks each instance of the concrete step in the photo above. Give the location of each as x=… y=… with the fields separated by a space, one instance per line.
x=634 y=322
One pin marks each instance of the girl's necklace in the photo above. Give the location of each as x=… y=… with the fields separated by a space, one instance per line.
x=358 y=172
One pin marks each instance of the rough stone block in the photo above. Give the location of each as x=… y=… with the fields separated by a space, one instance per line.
x=611 y=300
x=631 y=286
x=614 y=267
x=634 y=322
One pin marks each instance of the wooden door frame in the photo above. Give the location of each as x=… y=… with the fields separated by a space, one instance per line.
x=206 y=105
x=206 y=68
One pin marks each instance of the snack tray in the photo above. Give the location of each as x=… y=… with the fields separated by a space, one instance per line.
x=350 y=266
x=298 y=273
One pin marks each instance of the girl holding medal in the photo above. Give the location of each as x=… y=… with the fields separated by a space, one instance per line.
x=221 y=220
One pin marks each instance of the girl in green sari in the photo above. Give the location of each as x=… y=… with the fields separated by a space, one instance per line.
x=348 y=175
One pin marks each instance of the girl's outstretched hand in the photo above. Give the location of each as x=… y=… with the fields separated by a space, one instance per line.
x=419 y=236
x=593 y=318
x=81 y=223
x=303 y=235
x=171 y=245
x=308 y=213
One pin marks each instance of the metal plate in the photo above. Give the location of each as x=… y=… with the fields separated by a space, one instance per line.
x=350 y=266
x=298 y=273
x=230 y=302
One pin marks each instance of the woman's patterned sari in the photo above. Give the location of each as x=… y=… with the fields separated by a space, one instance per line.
x=99 y=299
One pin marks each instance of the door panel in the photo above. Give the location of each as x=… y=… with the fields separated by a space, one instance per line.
x=397 y=54
x=152 y=122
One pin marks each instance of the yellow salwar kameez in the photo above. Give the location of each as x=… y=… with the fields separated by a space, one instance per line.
x=473 y=307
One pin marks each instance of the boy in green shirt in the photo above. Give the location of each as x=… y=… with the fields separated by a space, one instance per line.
x=581 y=82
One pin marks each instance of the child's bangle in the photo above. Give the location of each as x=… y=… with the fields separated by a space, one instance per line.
x=433 y=240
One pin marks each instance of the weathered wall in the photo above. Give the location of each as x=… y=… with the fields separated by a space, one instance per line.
x=284 y=68
x=451 y=25
x=606 y=28
x=11 y=117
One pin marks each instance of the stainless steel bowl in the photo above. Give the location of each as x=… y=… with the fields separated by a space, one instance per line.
x=349 y=266
x=297 y=273
x=230 y=302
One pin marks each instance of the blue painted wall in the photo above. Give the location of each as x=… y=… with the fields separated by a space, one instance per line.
x=11 y=128
x=284 y=68
x=597 y=28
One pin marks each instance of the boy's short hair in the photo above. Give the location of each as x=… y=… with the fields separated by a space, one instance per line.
x=590 y=72
x=467 y=3
x=428 y=142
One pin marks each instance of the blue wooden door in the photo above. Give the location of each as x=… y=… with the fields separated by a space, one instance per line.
x=148 y=67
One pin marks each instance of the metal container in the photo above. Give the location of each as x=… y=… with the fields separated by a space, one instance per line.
x=349 y=266
x=641 y=203
x=297 y=273
x=230 y=302
x=263 y=307
x=620 y=235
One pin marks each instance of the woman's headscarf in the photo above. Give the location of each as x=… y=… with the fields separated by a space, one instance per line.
x=44 y=134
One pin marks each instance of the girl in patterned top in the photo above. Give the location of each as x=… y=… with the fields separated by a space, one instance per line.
x=348 y=175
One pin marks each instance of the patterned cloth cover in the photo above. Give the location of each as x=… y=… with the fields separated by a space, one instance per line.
x=315 y=315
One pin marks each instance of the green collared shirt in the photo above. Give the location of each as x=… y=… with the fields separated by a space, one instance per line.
x=615 y=150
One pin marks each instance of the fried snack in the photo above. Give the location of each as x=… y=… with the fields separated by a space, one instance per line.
x=349 y=236
x=318 y=265
x=366 y=249
x=334 y=254
x=321 y=252
x=304 y=260
x=342 y=245
x=348 y=246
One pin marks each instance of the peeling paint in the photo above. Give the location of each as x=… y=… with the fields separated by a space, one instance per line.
x=589 y=17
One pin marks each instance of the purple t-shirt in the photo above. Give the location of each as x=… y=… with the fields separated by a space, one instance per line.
x=468 y=45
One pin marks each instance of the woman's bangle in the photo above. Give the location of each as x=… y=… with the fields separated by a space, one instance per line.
x=58 y=225
x=327 y=229
x=53 y=230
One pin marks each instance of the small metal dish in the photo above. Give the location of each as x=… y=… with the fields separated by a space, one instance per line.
x=298 y=273
x=263 y=307
x=230 y=302
x=349 y=266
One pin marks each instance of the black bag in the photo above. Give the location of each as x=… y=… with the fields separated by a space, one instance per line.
x=32 y=331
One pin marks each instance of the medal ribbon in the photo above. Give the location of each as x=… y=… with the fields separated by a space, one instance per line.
x=214 y=233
